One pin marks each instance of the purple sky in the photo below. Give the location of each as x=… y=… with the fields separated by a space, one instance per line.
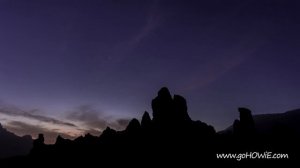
x=96 y=63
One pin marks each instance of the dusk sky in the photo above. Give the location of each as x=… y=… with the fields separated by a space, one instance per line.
x=75 y=66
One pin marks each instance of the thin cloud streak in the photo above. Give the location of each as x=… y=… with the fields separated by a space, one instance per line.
x=17 y=112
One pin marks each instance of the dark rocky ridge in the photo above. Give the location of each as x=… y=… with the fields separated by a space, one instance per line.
x=13 y=145
x=171 y=137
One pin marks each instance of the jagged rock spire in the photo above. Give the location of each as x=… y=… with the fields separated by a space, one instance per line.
x=146 y=120
x=133 y=126
x=245 y=126
x=61 y=141
x=40 y=139
x=38 y=144
x=180 y=109
x=162 y=106
x=167 y=110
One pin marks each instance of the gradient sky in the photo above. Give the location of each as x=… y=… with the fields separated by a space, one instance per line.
x=74 y=66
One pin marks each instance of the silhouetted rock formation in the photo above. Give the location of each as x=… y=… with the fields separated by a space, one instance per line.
x=171 y=119
x=168 y=111
x=162 y=107
x=13 y=145
x=245 y=126
x=108 y=133
x=180 y=110
x=237 y=127
x=203 y=128
x=133 y=127
x=39 y=146
x=146 y=121
x=171 y=125
x=170 y=137
x=246 y=120
x=61 y=141
x=40 y=141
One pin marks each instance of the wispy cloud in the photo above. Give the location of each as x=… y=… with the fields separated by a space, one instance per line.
x=121 y=51
x=15 y=111
x=32 y=122
x=81 y=120
x=94 y=120
x=153 y=21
